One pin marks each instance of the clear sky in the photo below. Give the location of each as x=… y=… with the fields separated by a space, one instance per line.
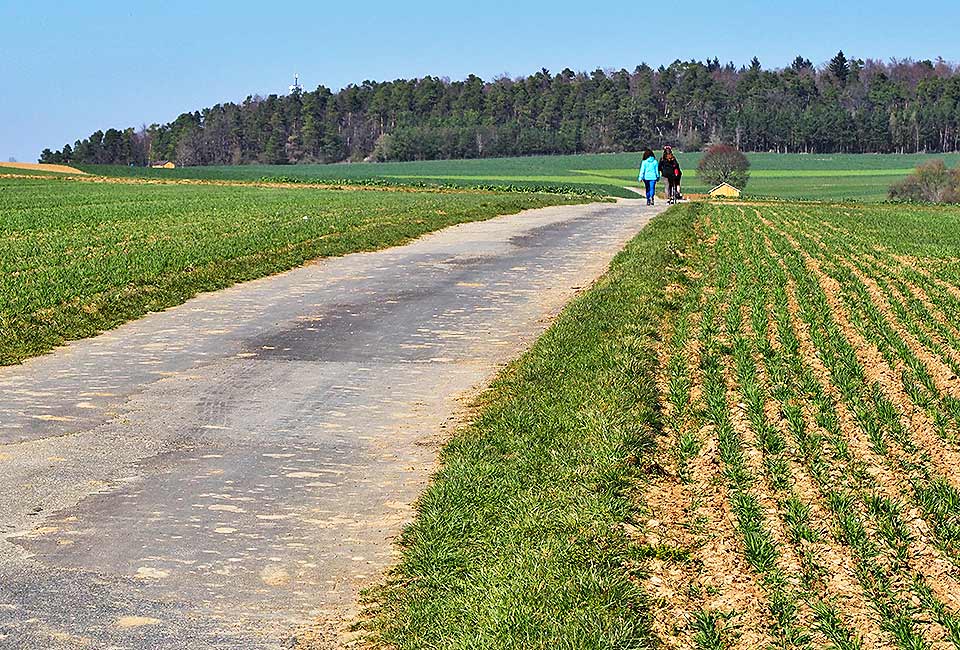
x=68 y=69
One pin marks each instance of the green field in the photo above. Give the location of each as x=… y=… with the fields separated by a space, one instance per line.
x=744 y=436
x=78 y=257
x=793 y=176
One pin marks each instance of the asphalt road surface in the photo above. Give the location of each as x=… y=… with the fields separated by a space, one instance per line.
x=231 y=472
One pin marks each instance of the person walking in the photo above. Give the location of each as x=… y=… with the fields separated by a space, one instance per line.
x=670 y=170
x=649 y=174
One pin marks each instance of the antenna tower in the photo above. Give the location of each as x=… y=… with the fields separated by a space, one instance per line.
x=296 y=88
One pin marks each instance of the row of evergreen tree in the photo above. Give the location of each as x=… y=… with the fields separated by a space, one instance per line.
x=847 y=105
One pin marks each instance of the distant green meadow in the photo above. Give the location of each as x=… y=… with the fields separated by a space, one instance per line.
x=834 y=177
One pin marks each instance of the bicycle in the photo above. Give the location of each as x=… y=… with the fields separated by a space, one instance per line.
x=674 y=195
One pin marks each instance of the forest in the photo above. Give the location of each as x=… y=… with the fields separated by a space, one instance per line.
x=847 y=105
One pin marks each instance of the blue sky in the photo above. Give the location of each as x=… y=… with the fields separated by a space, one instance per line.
x=69 y=70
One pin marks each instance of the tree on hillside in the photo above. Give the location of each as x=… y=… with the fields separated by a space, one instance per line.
x=112 y=150
x=799 y=64
x=840 y=68
x=724 y=164
x=275 y=151
x=189 y=148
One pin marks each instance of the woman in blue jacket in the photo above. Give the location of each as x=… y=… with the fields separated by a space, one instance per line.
x=649 y=174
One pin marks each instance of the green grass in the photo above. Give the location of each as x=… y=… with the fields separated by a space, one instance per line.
x=518 y=543
x=792 y=176
x=77 y=257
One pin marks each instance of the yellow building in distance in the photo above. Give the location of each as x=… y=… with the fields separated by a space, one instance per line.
x=163 y=164
x=725 y=190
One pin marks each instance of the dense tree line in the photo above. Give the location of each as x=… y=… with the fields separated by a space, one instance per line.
x=844 y=106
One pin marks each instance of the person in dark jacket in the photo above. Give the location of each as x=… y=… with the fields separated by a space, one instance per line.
x=670 y=170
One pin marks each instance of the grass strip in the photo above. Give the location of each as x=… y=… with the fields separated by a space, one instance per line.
x=478 y=184
x=519 y=541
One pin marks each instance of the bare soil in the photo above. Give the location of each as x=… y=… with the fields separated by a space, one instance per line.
x=42 y=167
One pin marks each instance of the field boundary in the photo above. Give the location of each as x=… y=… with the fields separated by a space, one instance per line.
x=521 y=540
x=118 y=180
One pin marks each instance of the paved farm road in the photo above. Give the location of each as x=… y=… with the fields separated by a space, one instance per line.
x=216 y=475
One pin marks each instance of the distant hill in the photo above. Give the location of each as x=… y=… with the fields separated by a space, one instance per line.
x=846 y=105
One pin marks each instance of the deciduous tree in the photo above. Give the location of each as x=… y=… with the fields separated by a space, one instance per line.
x=724 y=164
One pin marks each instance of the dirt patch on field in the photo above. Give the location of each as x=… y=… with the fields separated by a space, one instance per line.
x=887 y=376
x=42 y=167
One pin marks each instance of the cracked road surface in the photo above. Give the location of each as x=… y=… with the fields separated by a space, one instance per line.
x=232 y=471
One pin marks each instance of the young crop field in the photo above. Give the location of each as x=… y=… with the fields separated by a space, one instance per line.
x=80 y=257
x=766 y=453
x=791 y=176
x=810 y=442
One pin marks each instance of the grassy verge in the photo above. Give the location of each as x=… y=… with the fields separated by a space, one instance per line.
x=77 y=258
x=519 y=542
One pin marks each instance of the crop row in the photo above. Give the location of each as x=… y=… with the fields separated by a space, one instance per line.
x=807 y=373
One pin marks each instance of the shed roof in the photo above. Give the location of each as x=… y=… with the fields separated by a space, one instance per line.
x=725 y=184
